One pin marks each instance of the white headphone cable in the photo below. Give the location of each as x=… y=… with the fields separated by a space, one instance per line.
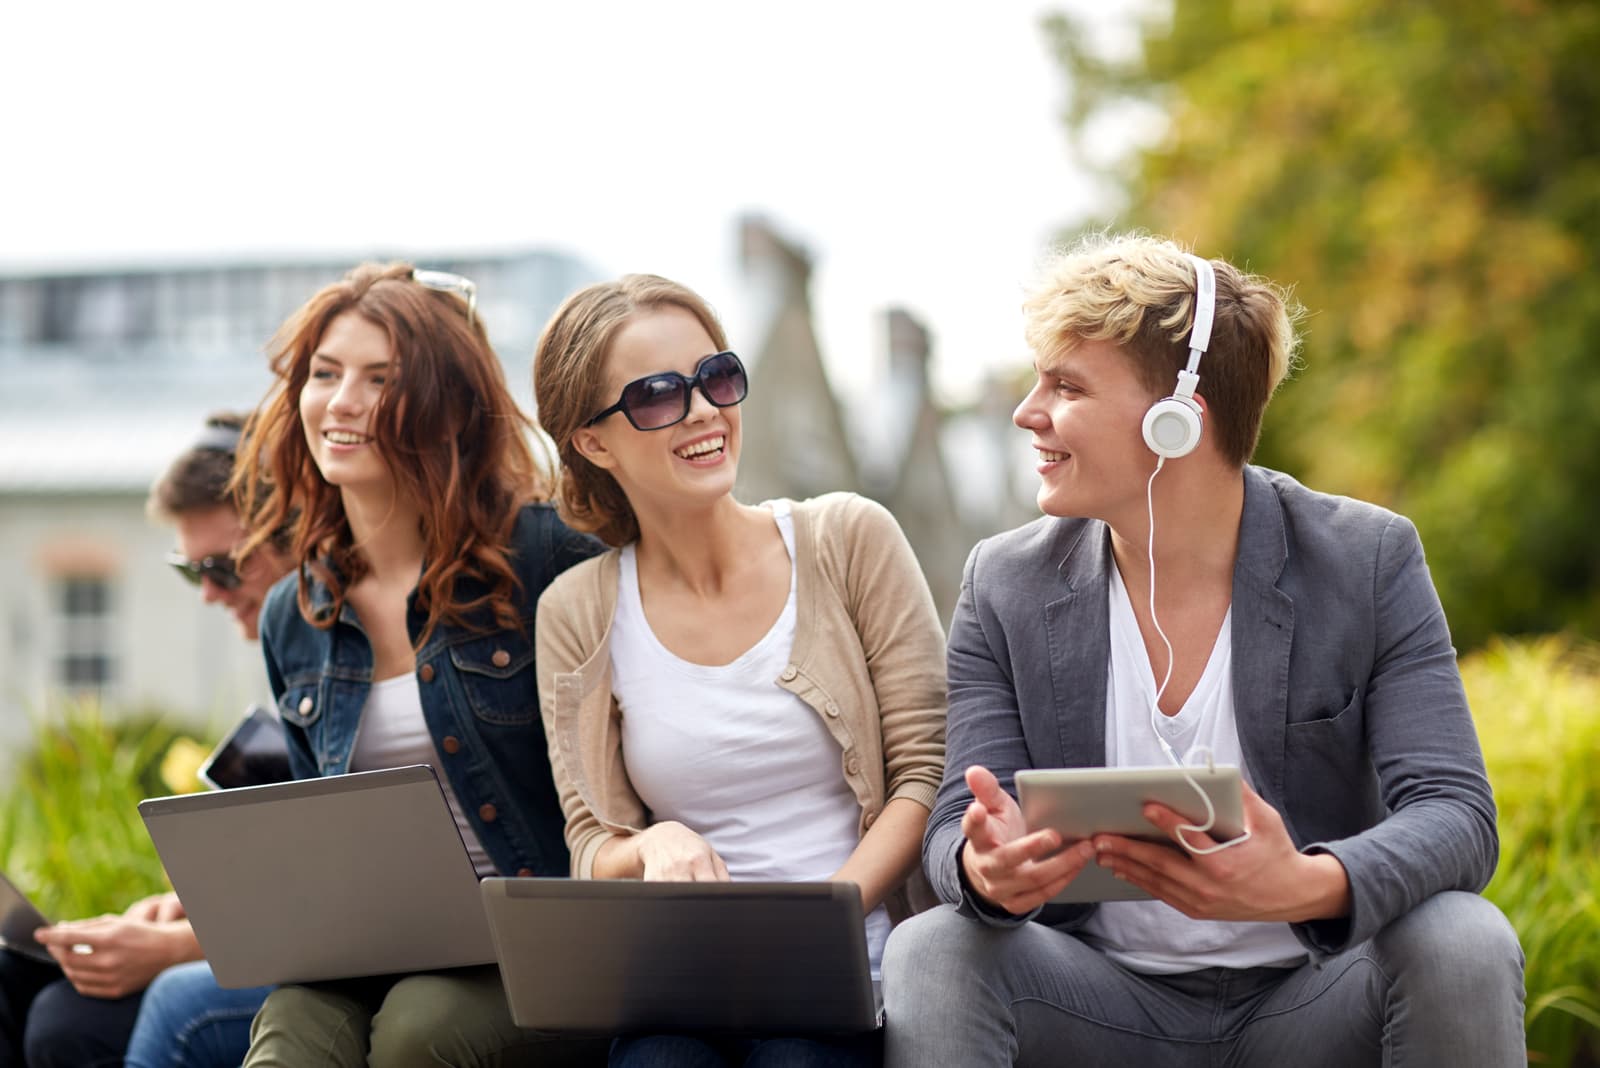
x=1155 y=705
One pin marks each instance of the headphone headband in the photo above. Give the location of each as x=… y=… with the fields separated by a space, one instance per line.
x=1205 y=308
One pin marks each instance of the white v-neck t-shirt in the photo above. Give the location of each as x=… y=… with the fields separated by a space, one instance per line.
x=730 y=754
x=1152 y=936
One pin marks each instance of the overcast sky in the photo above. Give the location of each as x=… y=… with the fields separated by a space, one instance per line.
x=912 y=147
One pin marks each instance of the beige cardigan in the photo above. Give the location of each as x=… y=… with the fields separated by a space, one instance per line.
x=868 y=656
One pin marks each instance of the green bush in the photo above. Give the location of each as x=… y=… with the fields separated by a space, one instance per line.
x=1537 y=705
x=70 y=832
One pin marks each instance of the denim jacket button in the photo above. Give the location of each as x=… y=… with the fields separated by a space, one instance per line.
x=305 y=706
x=500 y=658
x=425 y=673
x=450 y=744
x=487 y=813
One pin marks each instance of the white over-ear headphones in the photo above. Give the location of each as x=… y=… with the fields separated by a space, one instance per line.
x=1172 y=425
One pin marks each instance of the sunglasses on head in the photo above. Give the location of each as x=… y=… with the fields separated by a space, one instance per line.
x=219 y=569
x=658 y=401
x=445 y=282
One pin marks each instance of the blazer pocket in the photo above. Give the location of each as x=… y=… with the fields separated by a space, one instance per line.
x=1329 y=712
x=498 y=679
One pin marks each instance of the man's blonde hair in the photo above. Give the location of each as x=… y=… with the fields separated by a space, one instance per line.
x=1137 y=292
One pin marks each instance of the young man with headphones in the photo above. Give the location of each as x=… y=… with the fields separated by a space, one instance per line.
x=1176 y=604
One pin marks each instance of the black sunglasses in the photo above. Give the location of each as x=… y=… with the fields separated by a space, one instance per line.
x=219 y=569
x=656 y=402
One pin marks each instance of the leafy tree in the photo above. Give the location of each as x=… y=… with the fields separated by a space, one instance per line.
x=1427 y=176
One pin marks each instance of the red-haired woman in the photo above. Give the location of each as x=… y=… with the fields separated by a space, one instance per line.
x=394 y=451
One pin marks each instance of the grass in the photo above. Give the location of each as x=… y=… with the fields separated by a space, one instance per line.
x=70 y=832
x=1537 y=705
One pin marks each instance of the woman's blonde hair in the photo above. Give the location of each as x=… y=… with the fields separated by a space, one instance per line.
x=1137 y=291
x=569 y=377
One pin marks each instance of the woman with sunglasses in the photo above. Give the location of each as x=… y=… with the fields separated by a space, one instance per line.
x=396 y=454
x=734 y=691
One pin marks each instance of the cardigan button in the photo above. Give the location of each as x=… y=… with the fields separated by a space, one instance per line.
x=832 y=708
x=487 y=813
x=789 y=673
x=450 y=744
x=425 y=673
x=869 y=819
x=852 y=765
x=500 y=658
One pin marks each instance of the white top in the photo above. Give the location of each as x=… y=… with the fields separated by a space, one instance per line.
x=1152 y=936
x=730 y=754
x=393 y=734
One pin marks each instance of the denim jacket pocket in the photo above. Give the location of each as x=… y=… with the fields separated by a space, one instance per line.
x=498 y=678
x=300 y=703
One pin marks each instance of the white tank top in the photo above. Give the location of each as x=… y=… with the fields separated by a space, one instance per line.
x=730 y=754
x=393 y=733
x=1152 y=936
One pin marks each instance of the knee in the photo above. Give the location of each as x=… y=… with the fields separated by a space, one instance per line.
x=1457 y=937
x=427 y=1020
x=929 y=956
x=53 y=1035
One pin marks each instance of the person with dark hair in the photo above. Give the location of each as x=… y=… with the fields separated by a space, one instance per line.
x=421 y=538
x=1177 y=605
x=193 y=496
x=112 y=970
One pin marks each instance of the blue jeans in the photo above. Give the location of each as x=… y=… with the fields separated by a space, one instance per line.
x=689 y=1051
x=1441 y=985
x=188 y=1021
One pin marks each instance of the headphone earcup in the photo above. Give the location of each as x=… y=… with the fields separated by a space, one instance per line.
x=1172 y=427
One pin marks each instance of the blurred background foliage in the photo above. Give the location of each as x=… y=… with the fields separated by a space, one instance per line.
x=1537 y=705
x=1427 y=177
x=70 y=833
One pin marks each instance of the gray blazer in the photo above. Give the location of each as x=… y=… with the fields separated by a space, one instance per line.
x=1350 y=709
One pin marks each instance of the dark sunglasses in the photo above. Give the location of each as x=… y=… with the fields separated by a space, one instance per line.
x=219 y=569
x=656 y=402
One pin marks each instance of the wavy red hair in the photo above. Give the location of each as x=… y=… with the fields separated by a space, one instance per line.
x=449 y=429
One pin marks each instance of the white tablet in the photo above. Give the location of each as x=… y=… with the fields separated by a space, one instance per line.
x=1079 y=802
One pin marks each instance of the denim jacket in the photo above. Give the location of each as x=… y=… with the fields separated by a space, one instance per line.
x=479 y=691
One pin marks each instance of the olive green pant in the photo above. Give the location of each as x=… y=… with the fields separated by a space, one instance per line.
x=457 y=1018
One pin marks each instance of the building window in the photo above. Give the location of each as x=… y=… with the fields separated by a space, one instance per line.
x=83 y=604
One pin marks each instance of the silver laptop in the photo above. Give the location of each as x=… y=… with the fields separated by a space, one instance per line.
x=18 y=920
x=332 y=878
x=622 y=956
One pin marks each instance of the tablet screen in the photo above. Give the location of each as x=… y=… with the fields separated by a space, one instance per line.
x=253 y=754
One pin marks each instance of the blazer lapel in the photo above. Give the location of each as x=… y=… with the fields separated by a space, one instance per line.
x=1078 y=645
x=1263 y=634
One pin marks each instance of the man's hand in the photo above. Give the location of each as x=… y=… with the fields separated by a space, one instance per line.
x=157 y=908
x=1264 y=878
x=670 y=852
x=114 y=956
x=1005 y=864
